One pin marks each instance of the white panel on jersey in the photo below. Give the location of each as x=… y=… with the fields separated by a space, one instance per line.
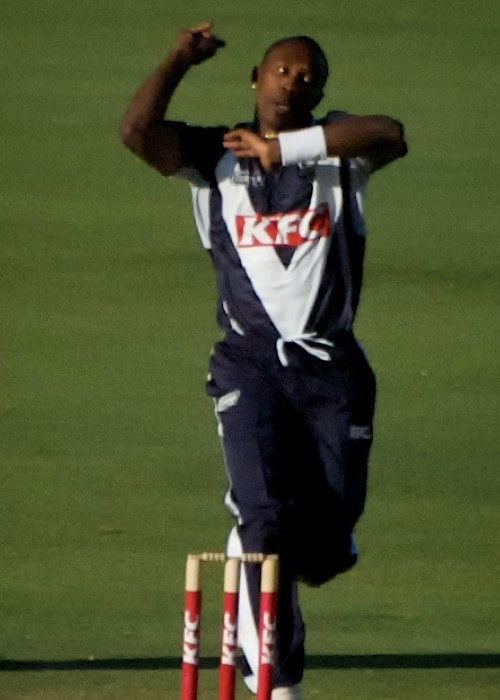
x=287 y=293
x=201 y=210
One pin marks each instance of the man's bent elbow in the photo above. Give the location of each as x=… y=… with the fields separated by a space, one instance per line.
x=390 y=146
x=397 y=139
x=131 y=137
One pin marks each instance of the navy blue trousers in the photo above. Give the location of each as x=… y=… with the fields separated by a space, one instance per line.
x=296 y=442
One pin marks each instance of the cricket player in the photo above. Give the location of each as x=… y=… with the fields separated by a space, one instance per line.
x=278 y=204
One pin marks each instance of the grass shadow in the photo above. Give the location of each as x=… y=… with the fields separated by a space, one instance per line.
x=313 y=661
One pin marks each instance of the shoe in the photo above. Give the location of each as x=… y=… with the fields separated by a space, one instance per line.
x=292 y=692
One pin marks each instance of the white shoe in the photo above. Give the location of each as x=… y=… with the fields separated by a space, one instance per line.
x=292 y=692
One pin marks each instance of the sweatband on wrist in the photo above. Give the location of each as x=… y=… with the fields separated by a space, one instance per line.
x=303 y=145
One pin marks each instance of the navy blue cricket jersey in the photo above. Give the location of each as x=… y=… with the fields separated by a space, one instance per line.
x=287 y=251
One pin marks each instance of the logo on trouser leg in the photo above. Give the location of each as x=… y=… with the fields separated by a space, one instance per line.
x=223 y=403
x=360 y=432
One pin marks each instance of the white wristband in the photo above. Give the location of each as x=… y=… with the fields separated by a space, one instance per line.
x=302 y=145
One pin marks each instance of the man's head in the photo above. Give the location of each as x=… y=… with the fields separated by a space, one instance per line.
x=289 y=83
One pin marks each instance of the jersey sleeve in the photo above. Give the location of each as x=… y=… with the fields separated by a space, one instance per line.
x=364 y=166
x=201 y=149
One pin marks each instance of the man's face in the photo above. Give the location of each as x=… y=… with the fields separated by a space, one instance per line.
x=289 y=85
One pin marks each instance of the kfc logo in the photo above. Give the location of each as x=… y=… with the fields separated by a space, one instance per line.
x=292 y=228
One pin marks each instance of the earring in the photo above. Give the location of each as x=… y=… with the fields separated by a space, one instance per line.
x=254 y=85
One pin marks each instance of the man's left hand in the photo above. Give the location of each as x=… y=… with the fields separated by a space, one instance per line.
x=246 y=144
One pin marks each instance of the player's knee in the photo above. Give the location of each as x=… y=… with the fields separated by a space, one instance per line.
x=322 y=560
x=265 y=531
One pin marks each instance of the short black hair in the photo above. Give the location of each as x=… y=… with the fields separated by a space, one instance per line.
x=317 y=52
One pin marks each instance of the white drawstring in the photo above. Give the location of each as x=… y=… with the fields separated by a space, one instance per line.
x=307 y=342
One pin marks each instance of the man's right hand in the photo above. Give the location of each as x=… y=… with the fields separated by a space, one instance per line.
x=144 y=128
x=197 y=44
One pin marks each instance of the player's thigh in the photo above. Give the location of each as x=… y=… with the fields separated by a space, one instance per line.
x=341 y=421
x=252 y=420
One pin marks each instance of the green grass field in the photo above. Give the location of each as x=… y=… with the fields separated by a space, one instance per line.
x=110 y=465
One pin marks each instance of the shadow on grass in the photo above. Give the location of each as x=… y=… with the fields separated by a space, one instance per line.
x=314 y=661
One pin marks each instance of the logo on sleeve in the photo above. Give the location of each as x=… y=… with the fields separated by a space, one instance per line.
x=291 y=229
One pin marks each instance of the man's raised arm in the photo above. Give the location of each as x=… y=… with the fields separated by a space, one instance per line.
x=144 y=129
